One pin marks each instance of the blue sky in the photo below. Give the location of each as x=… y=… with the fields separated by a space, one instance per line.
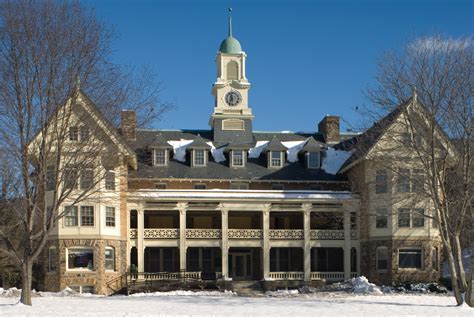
x=306 y=59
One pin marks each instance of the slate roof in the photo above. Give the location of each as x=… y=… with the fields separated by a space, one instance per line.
x=312 y=145
x=275 y=145
x=160 y=142
x=255 y=169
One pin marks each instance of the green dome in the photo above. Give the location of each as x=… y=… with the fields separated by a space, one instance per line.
x=230 y=46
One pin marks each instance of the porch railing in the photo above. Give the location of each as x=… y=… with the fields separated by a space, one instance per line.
x=245 y=233
x=203 y=233
x=331 y=234
x=287 y=275
x=330 y=276
x=279 y=234
x=133 y=233
x=159 y=233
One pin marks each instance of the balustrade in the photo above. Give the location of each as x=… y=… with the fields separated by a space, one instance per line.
x=203 y=233
x=245 y=233
x=161 y=233
x=330 y=276
x=287 y=275
x=133 y=233
x=279 y=234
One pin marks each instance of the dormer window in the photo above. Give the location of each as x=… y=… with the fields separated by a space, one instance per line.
x=199 y=157
x=160 y=157
x=313 y=159
x=238 y=159
x=73 y=134
x=276 y=159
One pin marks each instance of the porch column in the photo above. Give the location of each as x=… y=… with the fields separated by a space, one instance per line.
x=307 y=242
x=140 y=232
x=266 y=242
x=182 y=207
x=347 y=242
x=225 y=243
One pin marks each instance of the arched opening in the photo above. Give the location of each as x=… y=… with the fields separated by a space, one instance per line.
x=353 y=259
x=232 y=70
x=133 y=258
x=133 y=219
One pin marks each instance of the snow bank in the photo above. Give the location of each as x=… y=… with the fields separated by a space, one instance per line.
x=334 y=159
x=361 y=285
x=186 y=293
x=282 y=293
x=11 y=292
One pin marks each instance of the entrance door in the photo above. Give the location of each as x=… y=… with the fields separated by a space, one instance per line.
x=241 y=266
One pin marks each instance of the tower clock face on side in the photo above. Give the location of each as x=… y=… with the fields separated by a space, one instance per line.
x=233 y=98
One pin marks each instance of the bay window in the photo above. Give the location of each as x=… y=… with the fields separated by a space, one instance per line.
x=80 y=258
x=409 y=258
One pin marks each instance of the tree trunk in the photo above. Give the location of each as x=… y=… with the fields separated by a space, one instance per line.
x=459 y=264
x=470 y=285
x=454 y=277
x=26 y=280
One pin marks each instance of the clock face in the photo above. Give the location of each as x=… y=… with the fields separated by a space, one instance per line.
x=233 y=98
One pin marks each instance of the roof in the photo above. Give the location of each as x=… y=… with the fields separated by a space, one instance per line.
x=199 y=143
x=160 y=142
x=255 y=169
x=312 y=146
x=275 y=145
x=230 y=46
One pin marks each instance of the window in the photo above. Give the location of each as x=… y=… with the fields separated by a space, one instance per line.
x=87 y=216
x=199 y=186
x=199 y=158
x=278 y=187
x=404 y=218
x=160 y=185
x=434 y=258
x=237 y=158
x=50 y=177
x=110 y=259
x=70 y=216
x=73 y=134
x=82 y=288
x=52 y=259
x=406 y=138
x=110 y=180
x=70 y=177
x=381 y=185
x=84 y=131
x=80 y=258
x=160 y=157
x=275 y=159
x=232 y=70
x=382 y=259
x=418 y=218
x=409 y=259
x=404 y=181
x=87 y=178
x=110 y=216
x=381 y=218
x=417 y=181
x=313 y=159
x=315 y=187
x=239 y=186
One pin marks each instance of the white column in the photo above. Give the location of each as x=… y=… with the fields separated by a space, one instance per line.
x=347 y=242
x=266 y=242
x=225 y=243
x=182 y=207
x=307 y=242
x=140 y=232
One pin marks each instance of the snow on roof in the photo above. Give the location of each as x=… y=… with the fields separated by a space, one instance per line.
x=179 y=149
x=259 y=147
x=334 y=159
x=217 y=154
x=293 y=148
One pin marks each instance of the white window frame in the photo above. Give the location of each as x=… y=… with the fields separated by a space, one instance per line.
x=52 y=268
x=381 y=212
x=377 y=268
x=270 y=159
x=204 y=159
x=242 y=156
x=108 y=181
x=80 y=288
x=67 y=216
x=86 y=181
x=73 y=134
x=308 y=159
x=84 y=133
x=381 y=181
x=109 y=248
x=155 y=156
x=108 y=218
x=81 y=216
x=84 y=269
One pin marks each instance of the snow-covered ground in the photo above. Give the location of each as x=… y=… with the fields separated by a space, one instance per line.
x=283 y=303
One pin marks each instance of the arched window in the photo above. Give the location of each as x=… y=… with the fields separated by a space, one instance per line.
x=232 y=70
x=52 y=259
x=110 y=258
x=382 y=259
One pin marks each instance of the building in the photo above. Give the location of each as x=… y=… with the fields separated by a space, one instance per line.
x=232 y=204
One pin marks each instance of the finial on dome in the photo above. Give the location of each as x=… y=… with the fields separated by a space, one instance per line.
x=230 y=21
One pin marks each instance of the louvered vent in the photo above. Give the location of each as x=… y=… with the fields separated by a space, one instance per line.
x=233 y=124
x=232 y=71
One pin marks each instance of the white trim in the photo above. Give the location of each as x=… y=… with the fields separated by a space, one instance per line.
x=377 y=259
x=154 y=157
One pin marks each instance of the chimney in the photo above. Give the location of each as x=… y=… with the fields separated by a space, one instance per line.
x=329 y=128
x=129 y=125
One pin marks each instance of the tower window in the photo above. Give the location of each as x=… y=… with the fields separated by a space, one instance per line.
x=232 y=70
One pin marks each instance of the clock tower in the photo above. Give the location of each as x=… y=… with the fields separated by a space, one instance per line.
x=231 y=120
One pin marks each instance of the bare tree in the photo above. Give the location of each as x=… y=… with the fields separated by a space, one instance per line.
x=50 y=54
x=429 y=86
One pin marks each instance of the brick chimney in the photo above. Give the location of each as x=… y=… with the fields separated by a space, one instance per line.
x=129 y=125
x=329 y=128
